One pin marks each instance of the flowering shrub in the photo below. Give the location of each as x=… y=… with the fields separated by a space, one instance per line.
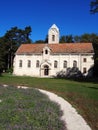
x=28 y=109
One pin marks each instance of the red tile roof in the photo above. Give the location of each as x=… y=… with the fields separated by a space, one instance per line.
x=56 y=48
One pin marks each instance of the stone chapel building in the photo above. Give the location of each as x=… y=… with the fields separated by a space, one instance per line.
x=45 y=60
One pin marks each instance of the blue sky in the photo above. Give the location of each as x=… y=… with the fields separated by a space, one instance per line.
x=71 y=16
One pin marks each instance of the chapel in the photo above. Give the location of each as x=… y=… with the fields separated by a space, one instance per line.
x=46 y=60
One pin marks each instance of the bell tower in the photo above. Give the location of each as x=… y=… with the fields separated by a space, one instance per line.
x=53 y=35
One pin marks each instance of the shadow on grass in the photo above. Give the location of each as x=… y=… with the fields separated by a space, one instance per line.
x=83 y=79
x=93 y=88
x=87 y=79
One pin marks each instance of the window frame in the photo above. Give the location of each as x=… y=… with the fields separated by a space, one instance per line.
x=74 y=63
x=20 y=63
x=53 y=38
x=37 y=64
x=55 y=64
x=65 y=64
x=84 y=59
x=29 y=64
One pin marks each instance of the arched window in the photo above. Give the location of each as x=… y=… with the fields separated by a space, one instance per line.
x=29 y=63
x=55 y=64
x=20 y=63
x=74 y=63
x=53 y=37
x=37 y=63
x=65 y=64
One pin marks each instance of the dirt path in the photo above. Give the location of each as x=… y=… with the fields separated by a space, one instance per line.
x=73 y=120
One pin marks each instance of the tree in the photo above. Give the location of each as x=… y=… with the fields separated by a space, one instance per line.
x=40 y=41
x=66 y=39
x=69 y=38
x=77 y=39
x=94 y=6
x=46 y=39
x=13 y=39
x=62 y=39
x=85 y=38
x=1 y=62
x=73 y=72
x=18 y=36
x=27 y=32
x=2 y=56
x=94 y=9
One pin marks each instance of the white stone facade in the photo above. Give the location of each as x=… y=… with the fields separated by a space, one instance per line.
x=47 y=62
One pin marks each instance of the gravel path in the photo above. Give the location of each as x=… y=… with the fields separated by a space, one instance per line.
x=73 y=120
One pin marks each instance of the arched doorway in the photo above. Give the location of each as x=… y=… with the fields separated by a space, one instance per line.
x=46 y=70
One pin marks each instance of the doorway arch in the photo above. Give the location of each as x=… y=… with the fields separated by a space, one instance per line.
x=46 y=70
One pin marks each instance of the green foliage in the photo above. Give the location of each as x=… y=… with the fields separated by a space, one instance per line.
x=18 y=36
x=46 y=39
x=93 y=38
x=62 y=39
x=94 y=6
x=2 y=55
x=11 y=41
x=40 y=41
x=28 y=109
x=77 y=39
x=66 y=39
x=10 y=70
x=70 y=73
x=86 y=37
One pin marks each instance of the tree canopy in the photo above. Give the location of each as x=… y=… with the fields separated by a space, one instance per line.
x=86 y=37
x=9 y=43
x=94 y=6
x=2 y=55
x=66 y=39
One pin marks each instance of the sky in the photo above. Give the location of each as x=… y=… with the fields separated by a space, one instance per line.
x=70 y=16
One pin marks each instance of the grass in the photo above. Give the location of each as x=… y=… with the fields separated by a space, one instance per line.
x=28 y=109
x=83 y=96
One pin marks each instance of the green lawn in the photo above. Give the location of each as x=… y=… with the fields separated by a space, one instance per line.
x=83 y=96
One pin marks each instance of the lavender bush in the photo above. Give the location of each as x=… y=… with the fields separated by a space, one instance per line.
x=28 y=109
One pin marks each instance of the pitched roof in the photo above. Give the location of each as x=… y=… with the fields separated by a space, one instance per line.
x=56 y=48
x=54 y=26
